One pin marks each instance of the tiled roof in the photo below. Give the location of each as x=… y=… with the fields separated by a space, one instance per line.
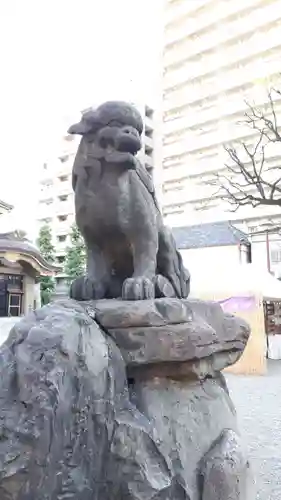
x=11 y=242
x=209 y=235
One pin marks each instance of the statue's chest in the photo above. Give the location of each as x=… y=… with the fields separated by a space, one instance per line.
x=105 y=199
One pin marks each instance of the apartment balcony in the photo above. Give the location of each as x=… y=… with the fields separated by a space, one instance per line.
x=174 y=13
x=45 y=211
x=192 y=169
x=196 y=143
x=60 y=247
x=189 y=94
x=64 y=189
x=190 y=118
x=189 y=25
x=64 y=208
x=148 y=122
x=192 y=195
x=175 y=172
x=229 y=109
x=224 y=108
x=69 y=145
x=226 y=62
x=46 y=193
x=46 y=177
x=252 y=30
x=148 y=142
x=65 y=168
x=148 y=161
x=62 y=227
x=178 y=196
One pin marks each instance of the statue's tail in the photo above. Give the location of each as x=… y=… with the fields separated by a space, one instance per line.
x=171 y=264
x=183 y=276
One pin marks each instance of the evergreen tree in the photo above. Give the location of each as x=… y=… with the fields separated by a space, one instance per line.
x=46 y=247
x=75 y=259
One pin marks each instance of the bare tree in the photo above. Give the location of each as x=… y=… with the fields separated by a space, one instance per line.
x=248 y=179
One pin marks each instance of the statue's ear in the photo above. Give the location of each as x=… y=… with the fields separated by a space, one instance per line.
x=88 y=123
x=80 y=128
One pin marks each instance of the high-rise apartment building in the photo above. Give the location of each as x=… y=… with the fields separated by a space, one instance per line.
x=217 y=54
x=56 y=198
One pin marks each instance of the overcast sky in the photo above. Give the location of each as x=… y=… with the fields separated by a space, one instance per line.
x=58 y=56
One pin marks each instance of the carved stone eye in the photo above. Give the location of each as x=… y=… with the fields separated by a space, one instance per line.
x=115 y=123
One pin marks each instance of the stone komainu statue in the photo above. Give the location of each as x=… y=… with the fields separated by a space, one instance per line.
x=130 y=253
x=71 y=425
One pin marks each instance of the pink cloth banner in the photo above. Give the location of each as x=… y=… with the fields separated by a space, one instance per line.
x=233 y=304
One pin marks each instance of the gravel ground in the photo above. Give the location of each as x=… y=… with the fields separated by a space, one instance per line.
x=258 y=404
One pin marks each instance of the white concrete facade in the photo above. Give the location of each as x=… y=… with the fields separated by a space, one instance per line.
x=217 y=53
x=215 y=256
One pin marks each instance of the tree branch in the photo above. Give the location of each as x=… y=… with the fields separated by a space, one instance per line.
x=250 y=181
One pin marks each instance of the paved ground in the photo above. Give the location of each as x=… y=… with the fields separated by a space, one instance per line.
x=5 y=326
x=258 y=404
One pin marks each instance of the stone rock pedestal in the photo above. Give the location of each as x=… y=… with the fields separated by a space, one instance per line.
x=121 y=400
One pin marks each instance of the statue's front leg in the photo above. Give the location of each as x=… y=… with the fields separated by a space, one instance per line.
x=96 y=281
x=141 y=285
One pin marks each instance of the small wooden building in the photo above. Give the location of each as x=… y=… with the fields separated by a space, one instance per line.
x=21 y=264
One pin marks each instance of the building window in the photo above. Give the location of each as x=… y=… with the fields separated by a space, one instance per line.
x=63 y=178
x=275 y=256
x=15 y=282
x=148 y=150
x=46 y=186
x=63 y=197
x=14 y=308
x=148 y=132
x=62 y=238
x=174 y=209
x=173 y=186
x=64 y=158
x=61 y=259
x=69 y=138
x=148 y=112
x=47 y=202
x=62 y=218
x=174 y=212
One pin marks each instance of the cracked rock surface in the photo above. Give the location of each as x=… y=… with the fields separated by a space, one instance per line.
x=71 y=427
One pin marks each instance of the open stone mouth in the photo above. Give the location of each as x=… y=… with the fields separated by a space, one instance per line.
x=112 y=155
x=128 y=143
x=115 y=156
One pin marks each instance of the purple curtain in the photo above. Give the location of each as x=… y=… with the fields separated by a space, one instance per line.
x=233 y=304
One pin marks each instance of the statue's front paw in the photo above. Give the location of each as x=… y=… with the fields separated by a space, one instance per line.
x=138 y=289
x=84 y=288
